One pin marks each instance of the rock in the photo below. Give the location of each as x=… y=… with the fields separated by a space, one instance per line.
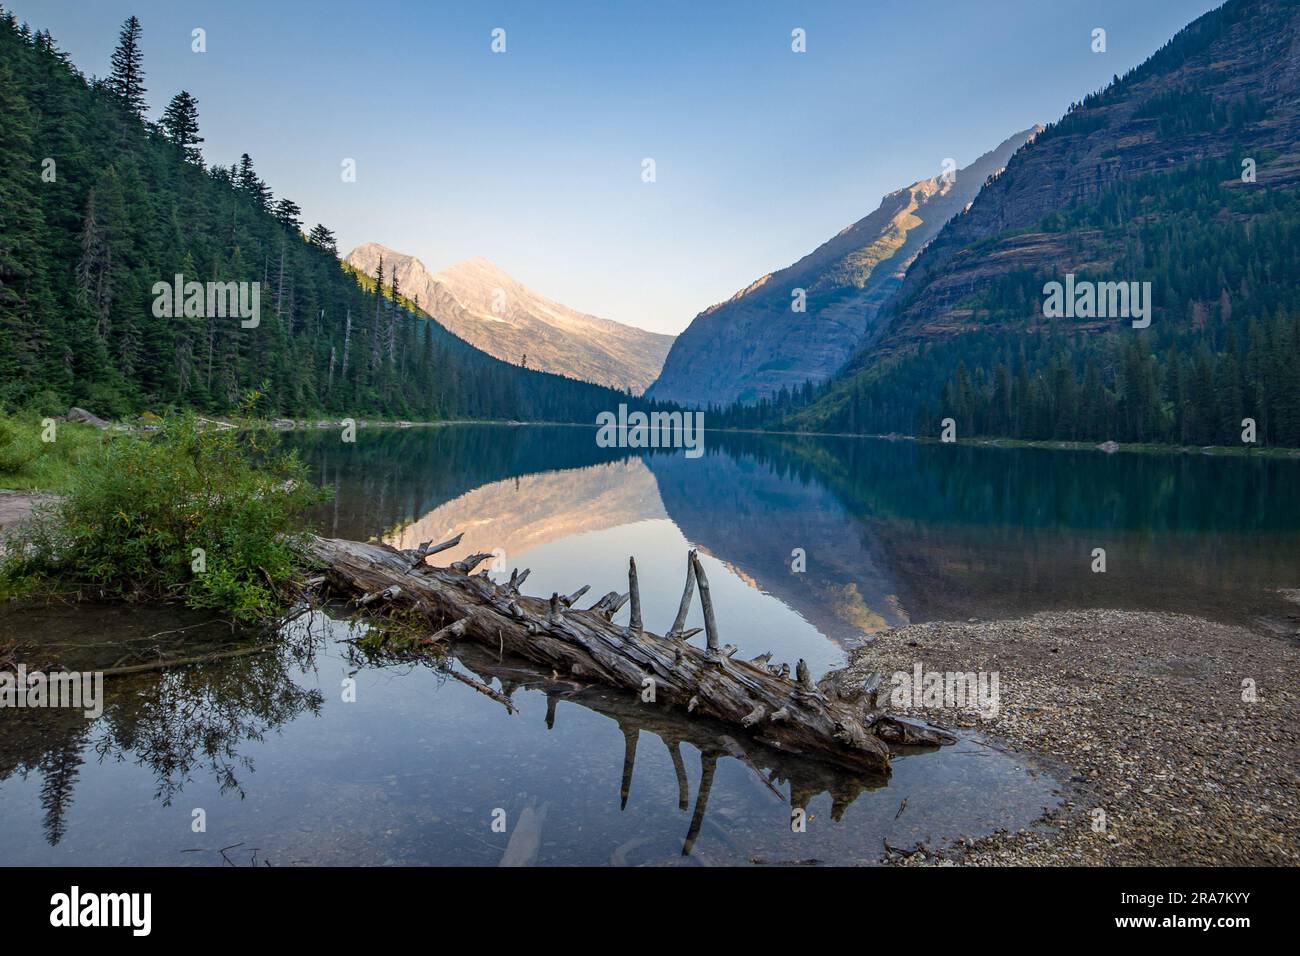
x=1109 y=447
x=17 y=507
x=81 y=415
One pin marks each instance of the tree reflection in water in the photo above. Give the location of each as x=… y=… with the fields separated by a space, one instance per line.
x=178 y=723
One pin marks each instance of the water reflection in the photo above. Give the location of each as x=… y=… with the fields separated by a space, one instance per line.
x=893 y=531
x=174 y=724
x=802 y=779
x=528 y=511
x=411 y=772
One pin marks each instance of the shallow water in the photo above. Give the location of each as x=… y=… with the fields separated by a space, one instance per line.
x=416 y=769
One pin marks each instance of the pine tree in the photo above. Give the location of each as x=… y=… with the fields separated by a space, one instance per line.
x=20 y=224
x=249 y=183
x=376 y=325
x=101 y=270
x=391 y=344
x=180 y=122
x=323 y=238
x=289 y=213
x=127 y=79
x=79 y=256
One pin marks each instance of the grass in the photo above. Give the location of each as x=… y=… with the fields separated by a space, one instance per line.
x=29 y=464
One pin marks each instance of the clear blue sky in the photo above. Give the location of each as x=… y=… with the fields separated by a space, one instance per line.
x=532 y=158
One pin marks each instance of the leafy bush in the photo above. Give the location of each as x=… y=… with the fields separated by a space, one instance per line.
x=104 y=400
x=191 y=512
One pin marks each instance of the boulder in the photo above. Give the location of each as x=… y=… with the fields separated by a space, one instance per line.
x=81 y=415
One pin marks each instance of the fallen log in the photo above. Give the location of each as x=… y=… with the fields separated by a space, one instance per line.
x=793 y=716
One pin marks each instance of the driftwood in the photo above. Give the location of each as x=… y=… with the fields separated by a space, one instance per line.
x=833 y=722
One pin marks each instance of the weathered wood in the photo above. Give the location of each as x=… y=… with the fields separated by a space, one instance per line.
x=679 y=622
x=791 y=717
x=185 y=661
x=387 y=594
x=483 y=689
x=634 y=589
x=427 y=548
x=706 y=602
x=568 y=601
x=473 y=561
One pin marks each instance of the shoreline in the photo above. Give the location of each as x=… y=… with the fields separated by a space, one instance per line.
x=1049 y=444
x=1107 y=447
x=1141 y=716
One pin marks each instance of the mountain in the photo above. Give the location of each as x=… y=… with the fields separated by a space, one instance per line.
x=1184 y=174
x=754 y=343
x=492 y=311
x=122 y=204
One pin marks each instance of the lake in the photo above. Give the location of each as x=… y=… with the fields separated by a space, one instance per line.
x=811 y=545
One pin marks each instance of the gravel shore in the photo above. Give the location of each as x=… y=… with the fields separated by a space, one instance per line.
x=1140 y=715
x=17 y=506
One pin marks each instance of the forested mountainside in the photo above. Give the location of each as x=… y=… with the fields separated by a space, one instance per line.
x=757 y=342
x=1183 y=173
x=98 y=203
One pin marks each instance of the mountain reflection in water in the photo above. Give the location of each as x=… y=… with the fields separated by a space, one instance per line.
x=894 y=532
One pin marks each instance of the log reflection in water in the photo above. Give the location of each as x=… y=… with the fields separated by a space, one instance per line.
x=806 y=778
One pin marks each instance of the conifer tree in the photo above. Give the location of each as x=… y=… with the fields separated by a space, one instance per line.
x=79 y=256
x=289 y=213
x=323 y=238
x=180 y=123
x=127 y=79
x=249 y=183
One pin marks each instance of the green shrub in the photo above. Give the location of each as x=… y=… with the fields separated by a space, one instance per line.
x=132 y=520
x=46 y=403
x=104 y=400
